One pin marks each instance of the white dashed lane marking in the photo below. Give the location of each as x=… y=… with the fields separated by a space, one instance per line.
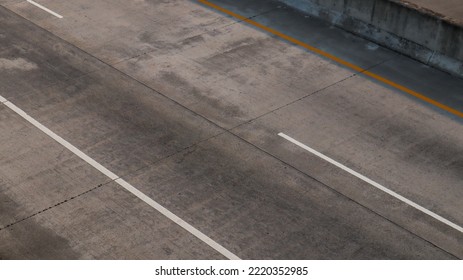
x=373 y=183
x=45 y=9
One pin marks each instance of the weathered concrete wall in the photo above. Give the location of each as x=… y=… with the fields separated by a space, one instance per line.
x=416 y=32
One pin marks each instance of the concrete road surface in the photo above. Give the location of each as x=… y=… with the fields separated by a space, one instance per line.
x=118 y=115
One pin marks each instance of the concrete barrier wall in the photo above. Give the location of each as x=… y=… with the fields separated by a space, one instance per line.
x=419 y=33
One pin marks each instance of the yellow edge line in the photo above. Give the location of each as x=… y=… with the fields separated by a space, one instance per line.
x=334 y=58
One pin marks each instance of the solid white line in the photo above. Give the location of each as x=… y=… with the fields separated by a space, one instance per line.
x=373 y=183
x=45 y=9
x=219 y=248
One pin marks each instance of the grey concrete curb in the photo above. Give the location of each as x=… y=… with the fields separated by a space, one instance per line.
x=416 y=32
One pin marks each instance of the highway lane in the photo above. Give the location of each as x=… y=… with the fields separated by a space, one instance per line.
x=56 y=206
x=201 y=74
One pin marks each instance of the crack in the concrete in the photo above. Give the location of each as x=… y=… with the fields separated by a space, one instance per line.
x=119 y=177
x=51 y=207
x=311 y=94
